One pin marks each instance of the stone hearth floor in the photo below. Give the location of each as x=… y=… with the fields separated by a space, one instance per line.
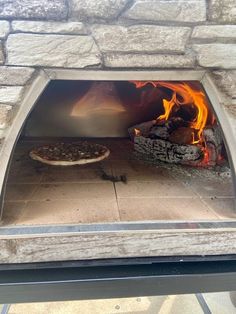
x=41 y=194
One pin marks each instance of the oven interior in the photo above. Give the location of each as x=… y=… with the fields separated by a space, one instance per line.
x=167 y=158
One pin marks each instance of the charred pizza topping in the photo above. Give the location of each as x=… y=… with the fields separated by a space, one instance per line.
x=70 y=151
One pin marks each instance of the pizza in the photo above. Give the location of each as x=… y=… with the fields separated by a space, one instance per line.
x=69 y=154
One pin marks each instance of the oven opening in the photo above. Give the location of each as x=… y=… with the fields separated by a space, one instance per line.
x=117 y=151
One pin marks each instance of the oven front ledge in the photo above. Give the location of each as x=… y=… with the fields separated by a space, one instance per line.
x=28 y=244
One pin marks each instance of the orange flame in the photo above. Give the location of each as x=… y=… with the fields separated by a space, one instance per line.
x=137 y=132
x=168 y=106
x=183 y=94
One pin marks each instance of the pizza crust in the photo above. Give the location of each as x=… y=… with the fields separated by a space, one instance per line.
x=80 y=161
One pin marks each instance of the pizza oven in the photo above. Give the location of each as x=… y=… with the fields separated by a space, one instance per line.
x=165 y=155
x=117 y=129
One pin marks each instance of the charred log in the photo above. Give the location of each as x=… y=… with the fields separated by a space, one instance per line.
x=159 y=131
x=157 y=149
x=174 y=123
x=213 y=142
x=182 y=136
x=143 y=128
x=171 y=141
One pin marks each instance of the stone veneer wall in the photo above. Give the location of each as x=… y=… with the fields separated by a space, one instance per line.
x=114 y=34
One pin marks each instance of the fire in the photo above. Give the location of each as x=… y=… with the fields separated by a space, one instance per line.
x=183 y=94
x=206 y=156
x=168 y=106
x=137 y=132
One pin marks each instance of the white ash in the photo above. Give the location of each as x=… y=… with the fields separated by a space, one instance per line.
x=185 y=173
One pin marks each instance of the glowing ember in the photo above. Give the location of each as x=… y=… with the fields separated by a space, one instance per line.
x=182 y=95
x=206 y=157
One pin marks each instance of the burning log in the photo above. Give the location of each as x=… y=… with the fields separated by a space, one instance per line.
x=174 y=123
x=163 y=129
x=159 y=131
x=153 y=142
x=157 y=149
x=142 y=128
x=182 y=133
x=182 y=136
x=213 y=142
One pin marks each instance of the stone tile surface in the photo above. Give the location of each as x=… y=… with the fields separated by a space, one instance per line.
x=68 y=51
x=226 y=81
x=91 y=174
x=141 y=38
x=121 y=60
x=24 y=172
x=132 y=209
x=2 y=58
x=4 y=29
x=15 y=75
x=216 y=55
x=225 y=208
x=173 y=10
x=104 y=190
x=12 y=212
x=139 y=171
x=69 y=211
x=19 y=192
x=210 y=188
x=163 y=189
x=40 y=194
x=90 y=9
x=10 y=94
x=39 y=9
x=214 y=31
x=222 y=10
x=49 y=27
x=5 y=115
